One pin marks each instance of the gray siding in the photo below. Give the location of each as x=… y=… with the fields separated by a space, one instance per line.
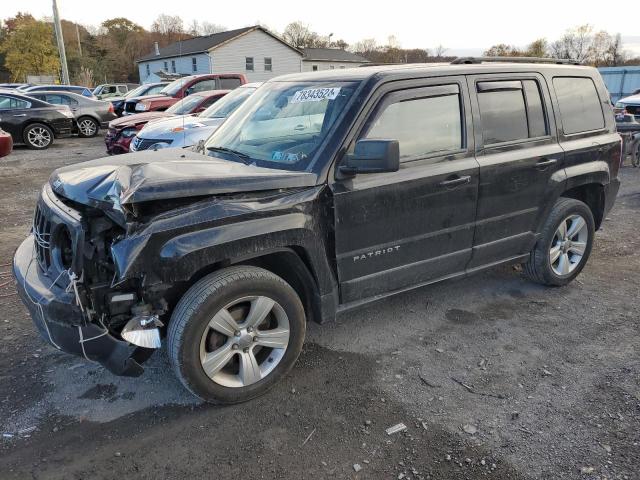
x=307 y=65
x=183 y=65
x=230 y=58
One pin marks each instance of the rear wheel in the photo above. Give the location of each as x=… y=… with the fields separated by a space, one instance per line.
x=235 y=333
x=87 y=127
x=564 y=244
x=38 y=136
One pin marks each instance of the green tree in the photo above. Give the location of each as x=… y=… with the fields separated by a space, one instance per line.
x=28 y=48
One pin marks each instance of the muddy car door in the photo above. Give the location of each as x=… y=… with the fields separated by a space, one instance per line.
x=400 y=229
x=521 y=163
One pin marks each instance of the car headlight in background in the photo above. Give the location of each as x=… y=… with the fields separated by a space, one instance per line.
x=129 y=132
x=141 y=107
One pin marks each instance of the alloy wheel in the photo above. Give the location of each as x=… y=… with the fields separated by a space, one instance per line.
x=568 y=245
x=87 y=127
x=39 y=137
x=244 y=341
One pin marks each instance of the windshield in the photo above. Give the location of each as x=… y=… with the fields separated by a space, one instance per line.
x=186 y=105
x=282 y=124
x=174 y=87
x=227 y=105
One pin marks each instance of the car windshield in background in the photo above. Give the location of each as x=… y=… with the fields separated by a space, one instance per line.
x=174 y=87
x=136 y=91
x=186 y=105
x=227 y=104
x=282 y=124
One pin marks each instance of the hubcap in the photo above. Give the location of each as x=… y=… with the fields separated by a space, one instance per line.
x=244 y=341
x=87 y=127
x=568 y=245
x=40 y=137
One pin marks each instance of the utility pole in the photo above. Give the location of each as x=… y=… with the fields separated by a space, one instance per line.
x=60 y=40
x=78 y=36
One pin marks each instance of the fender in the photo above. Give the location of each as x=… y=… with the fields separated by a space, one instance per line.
x=590 y=172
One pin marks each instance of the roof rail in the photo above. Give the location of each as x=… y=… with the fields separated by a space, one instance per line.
x=474 y=60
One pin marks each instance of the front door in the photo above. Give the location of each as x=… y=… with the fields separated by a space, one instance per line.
x=13 y=115
x=521 y=163
x=401 y=229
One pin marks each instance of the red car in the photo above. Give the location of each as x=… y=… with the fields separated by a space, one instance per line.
x=180 y=88
x=122 y=130
x=6 y=143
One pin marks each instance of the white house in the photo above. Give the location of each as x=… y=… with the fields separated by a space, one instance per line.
x=254 y=51
x=329 y=59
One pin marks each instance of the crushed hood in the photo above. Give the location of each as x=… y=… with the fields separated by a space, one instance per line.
x=112 y=182
x=137 y=119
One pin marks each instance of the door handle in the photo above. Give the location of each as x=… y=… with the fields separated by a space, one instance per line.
x=20 y=115
x=299 y=128
x=454 y=182
x=542 y=164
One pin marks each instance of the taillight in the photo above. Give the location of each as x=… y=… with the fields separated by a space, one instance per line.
x=111 y=110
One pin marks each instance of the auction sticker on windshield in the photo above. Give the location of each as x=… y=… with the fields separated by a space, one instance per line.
x=315 y=94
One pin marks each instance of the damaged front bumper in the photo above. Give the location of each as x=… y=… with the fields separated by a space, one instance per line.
x=60 y=321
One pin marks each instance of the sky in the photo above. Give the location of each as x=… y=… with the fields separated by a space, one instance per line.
x=463 y=27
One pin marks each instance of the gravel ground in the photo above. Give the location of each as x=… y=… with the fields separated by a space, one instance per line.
x=494 y=377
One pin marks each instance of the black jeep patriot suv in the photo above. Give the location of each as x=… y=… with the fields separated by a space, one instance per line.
x=323 y=192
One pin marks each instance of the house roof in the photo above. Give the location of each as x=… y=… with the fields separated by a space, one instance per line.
x=204 y=44
x=331 y=55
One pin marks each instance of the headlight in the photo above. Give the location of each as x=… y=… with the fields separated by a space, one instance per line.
x=158 y=146
x=619 y=105
x=141 y=107
x=129 y=132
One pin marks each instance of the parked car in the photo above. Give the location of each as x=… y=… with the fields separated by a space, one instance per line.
x=188 y=130
x=109 y=90
x=122 y=130
x=630 y=105
x=6 y=143
x=32 y=121
x=89 y=115
x=146 y=89
x=84 y=91
x=12 y=86
x=180 y=88
x=325 y=191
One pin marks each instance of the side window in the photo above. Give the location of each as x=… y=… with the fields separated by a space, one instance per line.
x=209 y=101
x=203 y=85
x=423 y=126
x=511 y=110
x=54 y=99
x=268 y=64
x=173 y=66
x=166 y=66
x=579 y=103
x=228 y=83
x=194 y=64
x=148 y=70
x=10 y=103
x=248 y=64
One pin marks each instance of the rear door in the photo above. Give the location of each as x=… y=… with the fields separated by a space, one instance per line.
x=14 y=113
x=520 y=163
x=397 y=230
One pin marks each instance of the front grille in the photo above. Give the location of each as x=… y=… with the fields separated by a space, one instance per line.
x=633 y=109
x=130 y=107
x=144 y=143
x=42 y=236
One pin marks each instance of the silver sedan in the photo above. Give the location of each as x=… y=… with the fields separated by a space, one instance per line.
x=89 y=115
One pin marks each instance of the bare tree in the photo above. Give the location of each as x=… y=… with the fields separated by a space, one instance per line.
x=365 y=46
x=298 y=35
x=574 y=44
x=170 y=27
x=503 y=50
x=440 y=50
x=208 y=28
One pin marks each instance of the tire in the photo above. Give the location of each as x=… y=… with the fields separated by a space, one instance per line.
x=193 y=343
x=87 y=127
x=570 y=253
x=38 y=136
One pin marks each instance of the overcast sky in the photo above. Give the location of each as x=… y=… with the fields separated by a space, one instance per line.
x=461 y=26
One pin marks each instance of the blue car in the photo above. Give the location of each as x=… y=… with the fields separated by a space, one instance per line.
x=84 y=91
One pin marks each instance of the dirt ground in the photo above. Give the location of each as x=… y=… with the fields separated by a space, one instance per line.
x=494 y=377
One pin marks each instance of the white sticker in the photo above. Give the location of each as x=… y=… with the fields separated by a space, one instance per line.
x=315 y=94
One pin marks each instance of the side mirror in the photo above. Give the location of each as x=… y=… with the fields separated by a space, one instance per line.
x=372 y=156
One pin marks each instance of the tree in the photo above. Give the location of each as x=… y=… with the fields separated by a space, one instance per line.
x=170 y=27
x=29 y=49
x=440 y=50
x=537 y=48
x=503 y=50
x=298 y=35
x=208 y=28
x=574 y=44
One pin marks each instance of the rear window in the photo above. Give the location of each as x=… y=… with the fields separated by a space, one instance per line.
x=579 y=103
x=511 y=110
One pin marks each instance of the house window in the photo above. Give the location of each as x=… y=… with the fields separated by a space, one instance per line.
x=331 y=67
x=173 y=66
x=166 y=66
x=249 y=64
x=148 y=70
x=194 y=64
x=268 y=66
x=314 y=68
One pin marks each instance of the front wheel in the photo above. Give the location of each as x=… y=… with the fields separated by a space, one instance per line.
x=235 y=333
x=564 y=244
x=87 y=127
